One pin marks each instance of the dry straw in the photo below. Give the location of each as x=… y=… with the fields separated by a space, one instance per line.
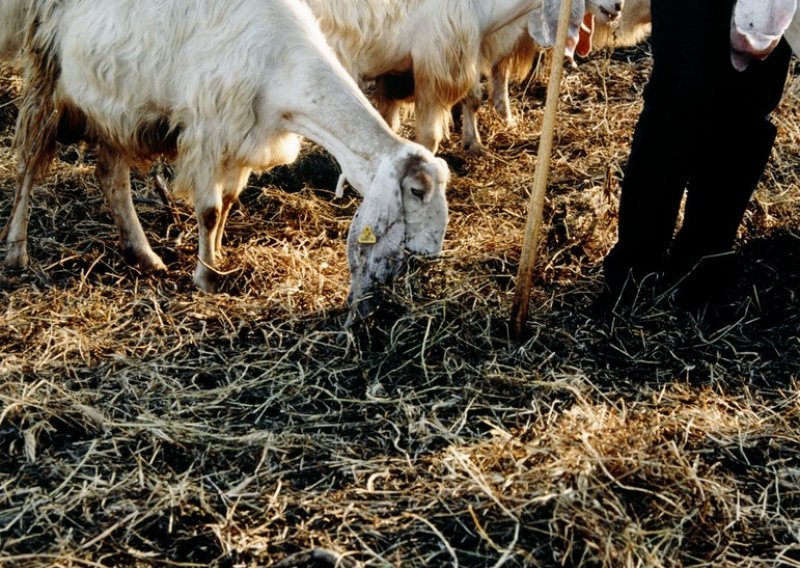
x=145 y=424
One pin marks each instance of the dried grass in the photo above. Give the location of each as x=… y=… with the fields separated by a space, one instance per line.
x=145 y=424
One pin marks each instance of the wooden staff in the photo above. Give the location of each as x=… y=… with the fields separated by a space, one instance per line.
x=522 y=293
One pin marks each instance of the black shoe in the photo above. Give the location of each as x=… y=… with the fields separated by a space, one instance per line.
x=622 y=296
x=708 y=283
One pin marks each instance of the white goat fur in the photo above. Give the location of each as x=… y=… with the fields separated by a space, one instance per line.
x=439 y=41
x=632 y=27
x=12 y=14
x=230 y=84
x=436 y=40
x=510 y=53
x=758 y=25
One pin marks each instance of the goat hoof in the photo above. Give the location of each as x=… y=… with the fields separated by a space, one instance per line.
x=476 y=149
x=151 y=264
x=207 y=280
x=146 y=260
x=505 y=115
x=16 y=257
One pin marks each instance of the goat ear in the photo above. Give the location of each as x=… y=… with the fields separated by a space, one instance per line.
x=537 y=25
x=382 y=203
x=375 y=255
x=422 y=179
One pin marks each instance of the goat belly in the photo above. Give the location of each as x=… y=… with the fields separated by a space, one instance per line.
x=71 y=127
x=399 y=86
x=157 y=137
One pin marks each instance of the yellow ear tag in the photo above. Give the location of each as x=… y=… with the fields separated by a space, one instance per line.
x=367 y=237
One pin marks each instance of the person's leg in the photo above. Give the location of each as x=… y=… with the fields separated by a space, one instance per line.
x=721 y=186
x=663 y=147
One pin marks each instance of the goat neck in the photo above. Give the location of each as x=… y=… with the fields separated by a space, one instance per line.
x=350 y=128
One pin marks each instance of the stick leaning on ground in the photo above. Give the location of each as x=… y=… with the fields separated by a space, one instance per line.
x=522 y=292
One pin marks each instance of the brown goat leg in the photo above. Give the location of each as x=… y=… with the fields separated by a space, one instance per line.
x=17 y=228
x=114 y=178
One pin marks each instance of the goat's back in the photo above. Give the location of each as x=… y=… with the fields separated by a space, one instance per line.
x=207 y=64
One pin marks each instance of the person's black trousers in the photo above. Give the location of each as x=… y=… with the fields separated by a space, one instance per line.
x=704 y=129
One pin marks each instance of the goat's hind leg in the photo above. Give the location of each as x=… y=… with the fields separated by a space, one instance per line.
x=17 y=229
x=114 y=177
x=391 y=91
x=35 y=143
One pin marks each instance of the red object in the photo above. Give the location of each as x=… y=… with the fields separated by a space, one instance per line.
x=585 y=36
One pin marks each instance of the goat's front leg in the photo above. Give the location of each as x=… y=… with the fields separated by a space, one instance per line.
x=114 y=177
x=212 y=206
x=208 y=210
x=390 y=111
x=431 y=113
x=227 y=203
x=470 y=137
x=232 y=187
x=431 y=118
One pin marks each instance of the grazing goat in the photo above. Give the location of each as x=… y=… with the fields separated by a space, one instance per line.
x=510 y=52
x=757 y=27
x=632 y=27
x=224 y=88
x=435 y=45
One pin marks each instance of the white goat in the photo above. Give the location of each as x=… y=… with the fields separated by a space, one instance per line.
x=757 y=27
x=510 y=52
x=225 y=87
x=435 y=44
x=632 y=27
